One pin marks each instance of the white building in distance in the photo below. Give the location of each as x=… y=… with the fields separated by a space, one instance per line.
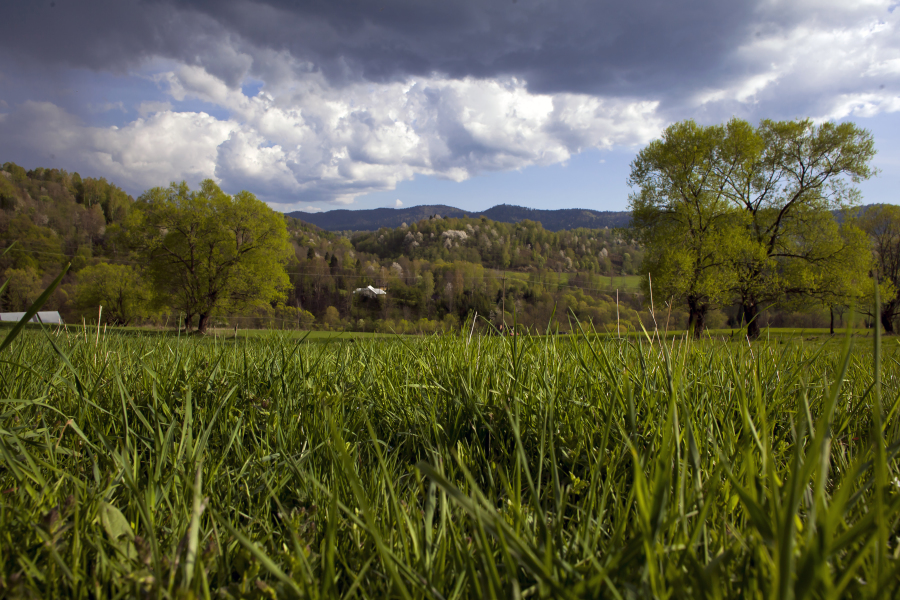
x=370 y=292
x=51 y=316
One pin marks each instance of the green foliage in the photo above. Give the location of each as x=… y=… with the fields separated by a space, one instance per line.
x=8 y=195
x=737 y=213
x=206 y=251
x=690 y=229
x=559 y=467
x=882 y=224
x=332 y=317
x=23 y=286
x=85 y=220
x=119 y=289
x=44 y=213
x=518 y=246
x=785 y=176
x=440 y=267
x=19 y=175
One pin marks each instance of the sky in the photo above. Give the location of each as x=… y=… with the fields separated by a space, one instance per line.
x=323 y=104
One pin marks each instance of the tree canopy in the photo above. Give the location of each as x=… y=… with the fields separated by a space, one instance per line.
x=740 y=213
x=689 y=227
x=439 y=271
x=205 y=250
x=882 y=223
x=119 y=289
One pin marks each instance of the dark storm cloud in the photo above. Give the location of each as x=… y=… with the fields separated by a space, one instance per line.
x=607 y=47
x=110 y=35
x=321 y=100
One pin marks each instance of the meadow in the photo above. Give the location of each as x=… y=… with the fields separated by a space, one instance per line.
x=452 y=466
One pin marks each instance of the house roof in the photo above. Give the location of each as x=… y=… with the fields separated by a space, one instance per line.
x=370 y=291
x=51 y=316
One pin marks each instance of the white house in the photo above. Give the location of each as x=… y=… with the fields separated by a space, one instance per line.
x=51 y=316
x=370 y=292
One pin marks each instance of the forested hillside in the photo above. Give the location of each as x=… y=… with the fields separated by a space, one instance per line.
x=54 y=217
x=437 y=271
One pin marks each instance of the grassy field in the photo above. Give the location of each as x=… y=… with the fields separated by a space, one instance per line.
x=441 y=467
x=782 y=334
x=212 y=335
x=624 y=283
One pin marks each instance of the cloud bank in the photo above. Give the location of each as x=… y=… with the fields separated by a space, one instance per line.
x=325 y=101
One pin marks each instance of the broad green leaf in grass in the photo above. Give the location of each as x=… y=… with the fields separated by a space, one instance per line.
x=118 y=529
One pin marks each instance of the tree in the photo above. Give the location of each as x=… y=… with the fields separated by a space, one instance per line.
x=8 y=199
x=22 y=288
x=680 y=214
x=882 y=223
x=787 y=177
x=205 y=250
x=119 y=289
x=752 y=207
x=427 y=286
x=332 y=317
x=843 y=280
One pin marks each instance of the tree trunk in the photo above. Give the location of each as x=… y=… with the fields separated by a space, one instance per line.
x=831 y=310
x=188 y=321
x=700 y=323
x=204 y=321
x=696 y=318
x=887 y=321
x=751 y=319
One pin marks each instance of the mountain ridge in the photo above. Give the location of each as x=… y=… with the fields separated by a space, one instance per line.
x=376 y=218
x=552 y=220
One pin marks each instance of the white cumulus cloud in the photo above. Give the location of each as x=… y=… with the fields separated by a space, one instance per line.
x=146 y=152
x=845 y=62
x=305 y=140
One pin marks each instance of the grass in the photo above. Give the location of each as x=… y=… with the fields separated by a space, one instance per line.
x=447 y=467
x=626 y=282
x=212 y=333
x=610 y=284
x=779 y=333
x=297 y=334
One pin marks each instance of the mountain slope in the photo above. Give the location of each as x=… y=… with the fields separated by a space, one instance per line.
x=560 y=219
x=373 y=219
x=552 y=220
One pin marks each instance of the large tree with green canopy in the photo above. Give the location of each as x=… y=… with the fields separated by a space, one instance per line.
x=206 y=250
x=787 y=177
x=882 y=223
x=119 y=289
x=760 y=199
x=691 y=231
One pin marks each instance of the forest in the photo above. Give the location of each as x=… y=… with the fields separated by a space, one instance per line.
x=436 y=272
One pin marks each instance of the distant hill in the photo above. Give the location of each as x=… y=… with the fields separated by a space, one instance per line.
x=560 y=219
x=552 y=220
x=373 y=219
